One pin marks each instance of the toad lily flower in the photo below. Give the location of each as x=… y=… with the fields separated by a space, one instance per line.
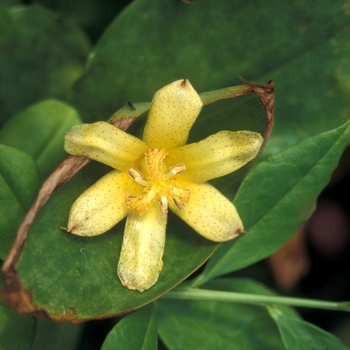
x=154 y=174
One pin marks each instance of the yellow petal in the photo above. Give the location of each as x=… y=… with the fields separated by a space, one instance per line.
x=101 y=206
x=140 y=259
x=173 y=111
x=210 y=214
x=217 y=155
x=104 y=143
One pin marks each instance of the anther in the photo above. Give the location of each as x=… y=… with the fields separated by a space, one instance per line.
x=174 y=170
x=163 y=205
x=132 y=198
x=138 y=177
x=179 y=203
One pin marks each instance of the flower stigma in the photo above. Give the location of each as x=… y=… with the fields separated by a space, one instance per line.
x=158 y=184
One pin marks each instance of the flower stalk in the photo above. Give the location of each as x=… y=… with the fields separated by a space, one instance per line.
x=189 y=293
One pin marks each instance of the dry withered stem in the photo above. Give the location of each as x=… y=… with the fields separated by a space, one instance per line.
x=266 y=93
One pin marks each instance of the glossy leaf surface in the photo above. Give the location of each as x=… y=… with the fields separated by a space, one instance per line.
x=276 y=197
x=19 y=183
x=135 y=331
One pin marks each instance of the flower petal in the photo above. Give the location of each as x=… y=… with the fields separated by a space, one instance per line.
x=140 y=259
x=104 y=143
x=173 y=111
x=217 y=155
x=210 y=213
x=101 y=206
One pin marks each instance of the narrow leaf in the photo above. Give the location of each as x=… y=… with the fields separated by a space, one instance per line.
x=276 y=197
x=300 y=335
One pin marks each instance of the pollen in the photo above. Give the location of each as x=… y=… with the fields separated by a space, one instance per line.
x=158 y=184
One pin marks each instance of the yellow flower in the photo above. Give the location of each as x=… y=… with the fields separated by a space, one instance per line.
x=155 y=173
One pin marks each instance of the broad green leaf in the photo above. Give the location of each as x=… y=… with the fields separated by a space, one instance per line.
x=42 y=55
x=300 y=335
x=302 y=47
x=19 y=183
x=16 y=331
x=39 y=130
x=86 y=267
x=185 y=324
x=135 y=331
x=276 y=197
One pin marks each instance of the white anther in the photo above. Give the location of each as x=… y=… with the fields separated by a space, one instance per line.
x=163 y=205
x=138 y=177
x=174 y=170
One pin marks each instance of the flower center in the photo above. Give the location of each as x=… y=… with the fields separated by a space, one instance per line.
x=158 y=185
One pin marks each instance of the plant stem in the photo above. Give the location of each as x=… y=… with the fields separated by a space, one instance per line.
x=189 y=293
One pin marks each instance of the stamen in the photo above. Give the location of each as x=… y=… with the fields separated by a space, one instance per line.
x=179 y=202
x=163 y=205
x=158 y=186
x=174 y=170
x=131 y=198
x=138 y=177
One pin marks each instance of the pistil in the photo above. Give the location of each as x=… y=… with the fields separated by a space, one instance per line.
x=158 y=185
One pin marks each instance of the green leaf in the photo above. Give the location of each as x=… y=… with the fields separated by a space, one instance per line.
x=86 y=267
x=276 y=197
x=185 y=324
x=39 y=130
x=300 y=335
x=302 y=47
x=16 y=331
x=42 y=55
x=135 y=331
x=19 y=183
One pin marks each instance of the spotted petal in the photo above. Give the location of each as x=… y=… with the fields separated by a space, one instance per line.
x=101 y=206
x=104 y=143
x=210 y=214
x=173 y=111
x=140 y=259
x=217 y=155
